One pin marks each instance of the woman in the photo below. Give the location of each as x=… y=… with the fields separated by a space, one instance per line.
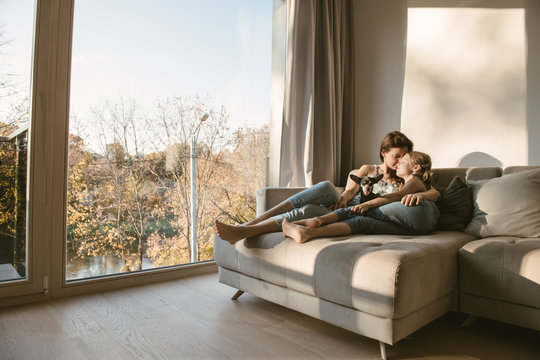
x=323 y=197
x=413 y=168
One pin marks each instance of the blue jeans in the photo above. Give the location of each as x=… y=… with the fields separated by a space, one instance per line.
x=394 y=218
x=311 y=202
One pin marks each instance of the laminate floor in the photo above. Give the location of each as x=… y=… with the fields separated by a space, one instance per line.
x=194 y=318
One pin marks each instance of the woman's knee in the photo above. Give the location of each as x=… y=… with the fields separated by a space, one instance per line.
x=322 y=193
x=329 y=193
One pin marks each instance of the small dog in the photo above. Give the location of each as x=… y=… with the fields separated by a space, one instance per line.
x=366 y=184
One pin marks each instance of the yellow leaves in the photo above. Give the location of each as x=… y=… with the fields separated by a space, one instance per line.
x=125 y=204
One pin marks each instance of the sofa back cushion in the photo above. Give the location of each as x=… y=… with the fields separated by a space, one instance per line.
x=506 y=206
x=442 y=177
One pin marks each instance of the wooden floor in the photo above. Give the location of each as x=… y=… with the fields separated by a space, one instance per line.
x=194 y=318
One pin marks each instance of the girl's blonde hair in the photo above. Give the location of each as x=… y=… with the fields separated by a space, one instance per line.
x=424 y=161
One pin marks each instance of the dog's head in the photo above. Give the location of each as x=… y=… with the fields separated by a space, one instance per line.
x=366 y=182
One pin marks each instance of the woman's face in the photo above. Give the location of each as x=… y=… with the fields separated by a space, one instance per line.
x=404 y=167
x=391 y=158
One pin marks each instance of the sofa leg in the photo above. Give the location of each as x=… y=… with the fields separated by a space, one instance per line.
x=469 y=321
x=237 y=295
x=382 y=346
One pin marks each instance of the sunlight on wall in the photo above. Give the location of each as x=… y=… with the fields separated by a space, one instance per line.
x=465 y=88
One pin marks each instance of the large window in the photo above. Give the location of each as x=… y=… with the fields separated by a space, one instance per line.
x=16 y=24
x=169 y=115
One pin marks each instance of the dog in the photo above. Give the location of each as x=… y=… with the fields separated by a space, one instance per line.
x=366 y=186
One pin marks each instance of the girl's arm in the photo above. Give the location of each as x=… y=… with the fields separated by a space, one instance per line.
x=412 y=186
x=352 y=187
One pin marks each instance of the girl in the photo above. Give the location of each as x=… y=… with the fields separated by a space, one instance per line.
x=364 y=218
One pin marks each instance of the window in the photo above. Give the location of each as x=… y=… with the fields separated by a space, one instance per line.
x=16 y=23
x=160 y=91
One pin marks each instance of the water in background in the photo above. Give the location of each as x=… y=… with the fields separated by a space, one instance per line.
x=96 y=266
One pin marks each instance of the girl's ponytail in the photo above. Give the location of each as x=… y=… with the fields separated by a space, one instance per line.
x=424 y=161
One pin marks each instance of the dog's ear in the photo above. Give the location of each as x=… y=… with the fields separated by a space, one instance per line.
x=356 y=179
x=377 y=178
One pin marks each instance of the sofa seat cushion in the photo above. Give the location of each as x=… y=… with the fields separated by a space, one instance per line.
x=502 y=268
x=384 y=275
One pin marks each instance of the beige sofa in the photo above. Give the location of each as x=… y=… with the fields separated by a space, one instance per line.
x=500 y=273
x=385 y=286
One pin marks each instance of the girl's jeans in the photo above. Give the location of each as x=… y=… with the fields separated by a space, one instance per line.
x=393 y=218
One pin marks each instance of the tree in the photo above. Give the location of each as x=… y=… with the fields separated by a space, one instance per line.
x=119 y=181
x=179 y=121
x=13 y=113
x=247 y=173
x=7 y=191
x=131 y=194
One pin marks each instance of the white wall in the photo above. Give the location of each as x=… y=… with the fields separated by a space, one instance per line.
x=474 y=119
x=379 y=57
x=532 y=26
x=464 y=93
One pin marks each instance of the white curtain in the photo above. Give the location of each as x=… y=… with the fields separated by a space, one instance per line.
x=317 y=128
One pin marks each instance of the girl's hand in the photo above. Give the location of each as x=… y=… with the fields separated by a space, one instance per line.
x=412 y=199
x=360 y=209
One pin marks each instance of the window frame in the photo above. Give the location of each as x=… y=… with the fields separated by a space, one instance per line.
x=50 y=102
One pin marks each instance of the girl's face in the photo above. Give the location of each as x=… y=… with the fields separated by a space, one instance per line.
x=404 y=167
x=391 y=158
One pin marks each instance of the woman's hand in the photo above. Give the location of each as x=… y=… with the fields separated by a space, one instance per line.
x=341 y=203
x=360 y=209
x=412 y=199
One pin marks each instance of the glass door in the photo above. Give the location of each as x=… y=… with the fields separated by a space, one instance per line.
x=16 y=34
x=168 y=129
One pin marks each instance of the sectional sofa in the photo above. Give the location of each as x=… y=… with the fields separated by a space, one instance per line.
x=483 y=259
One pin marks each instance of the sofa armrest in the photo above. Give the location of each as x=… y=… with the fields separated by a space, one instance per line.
x=269 y=197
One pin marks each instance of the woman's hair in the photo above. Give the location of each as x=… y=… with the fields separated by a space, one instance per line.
x=424 y=161
x=395 y=139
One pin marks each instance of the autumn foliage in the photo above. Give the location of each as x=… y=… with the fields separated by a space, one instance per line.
x=129 y=180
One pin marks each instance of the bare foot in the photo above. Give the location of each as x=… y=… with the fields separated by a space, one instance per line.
x=313 y=222
x=230 y=233
x=297 y=232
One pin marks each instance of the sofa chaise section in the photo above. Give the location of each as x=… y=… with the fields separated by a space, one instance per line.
x=381 y=286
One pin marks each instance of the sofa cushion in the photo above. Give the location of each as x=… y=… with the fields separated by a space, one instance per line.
x=384 y=275
x=507 y=205
x=455 y=206
x=503 y=268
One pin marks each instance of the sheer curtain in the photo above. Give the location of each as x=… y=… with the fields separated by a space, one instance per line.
x=317 y=125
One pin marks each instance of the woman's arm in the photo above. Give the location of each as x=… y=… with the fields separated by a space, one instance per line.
x=414 y=185
x=414 y=199
x=352 y=187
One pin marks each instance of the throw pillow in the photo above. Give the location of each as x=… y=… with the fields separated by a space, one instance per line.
x=507 y=206
x=455 y=206
x=478 y=216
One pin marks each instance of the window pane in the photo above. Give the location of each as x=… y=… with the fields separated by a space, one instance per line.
x=141 y=84
x=465 y=69
x=16 y=25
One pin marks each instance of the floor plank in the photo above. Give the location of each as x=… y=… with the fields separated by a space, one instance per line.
x=194 y=318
